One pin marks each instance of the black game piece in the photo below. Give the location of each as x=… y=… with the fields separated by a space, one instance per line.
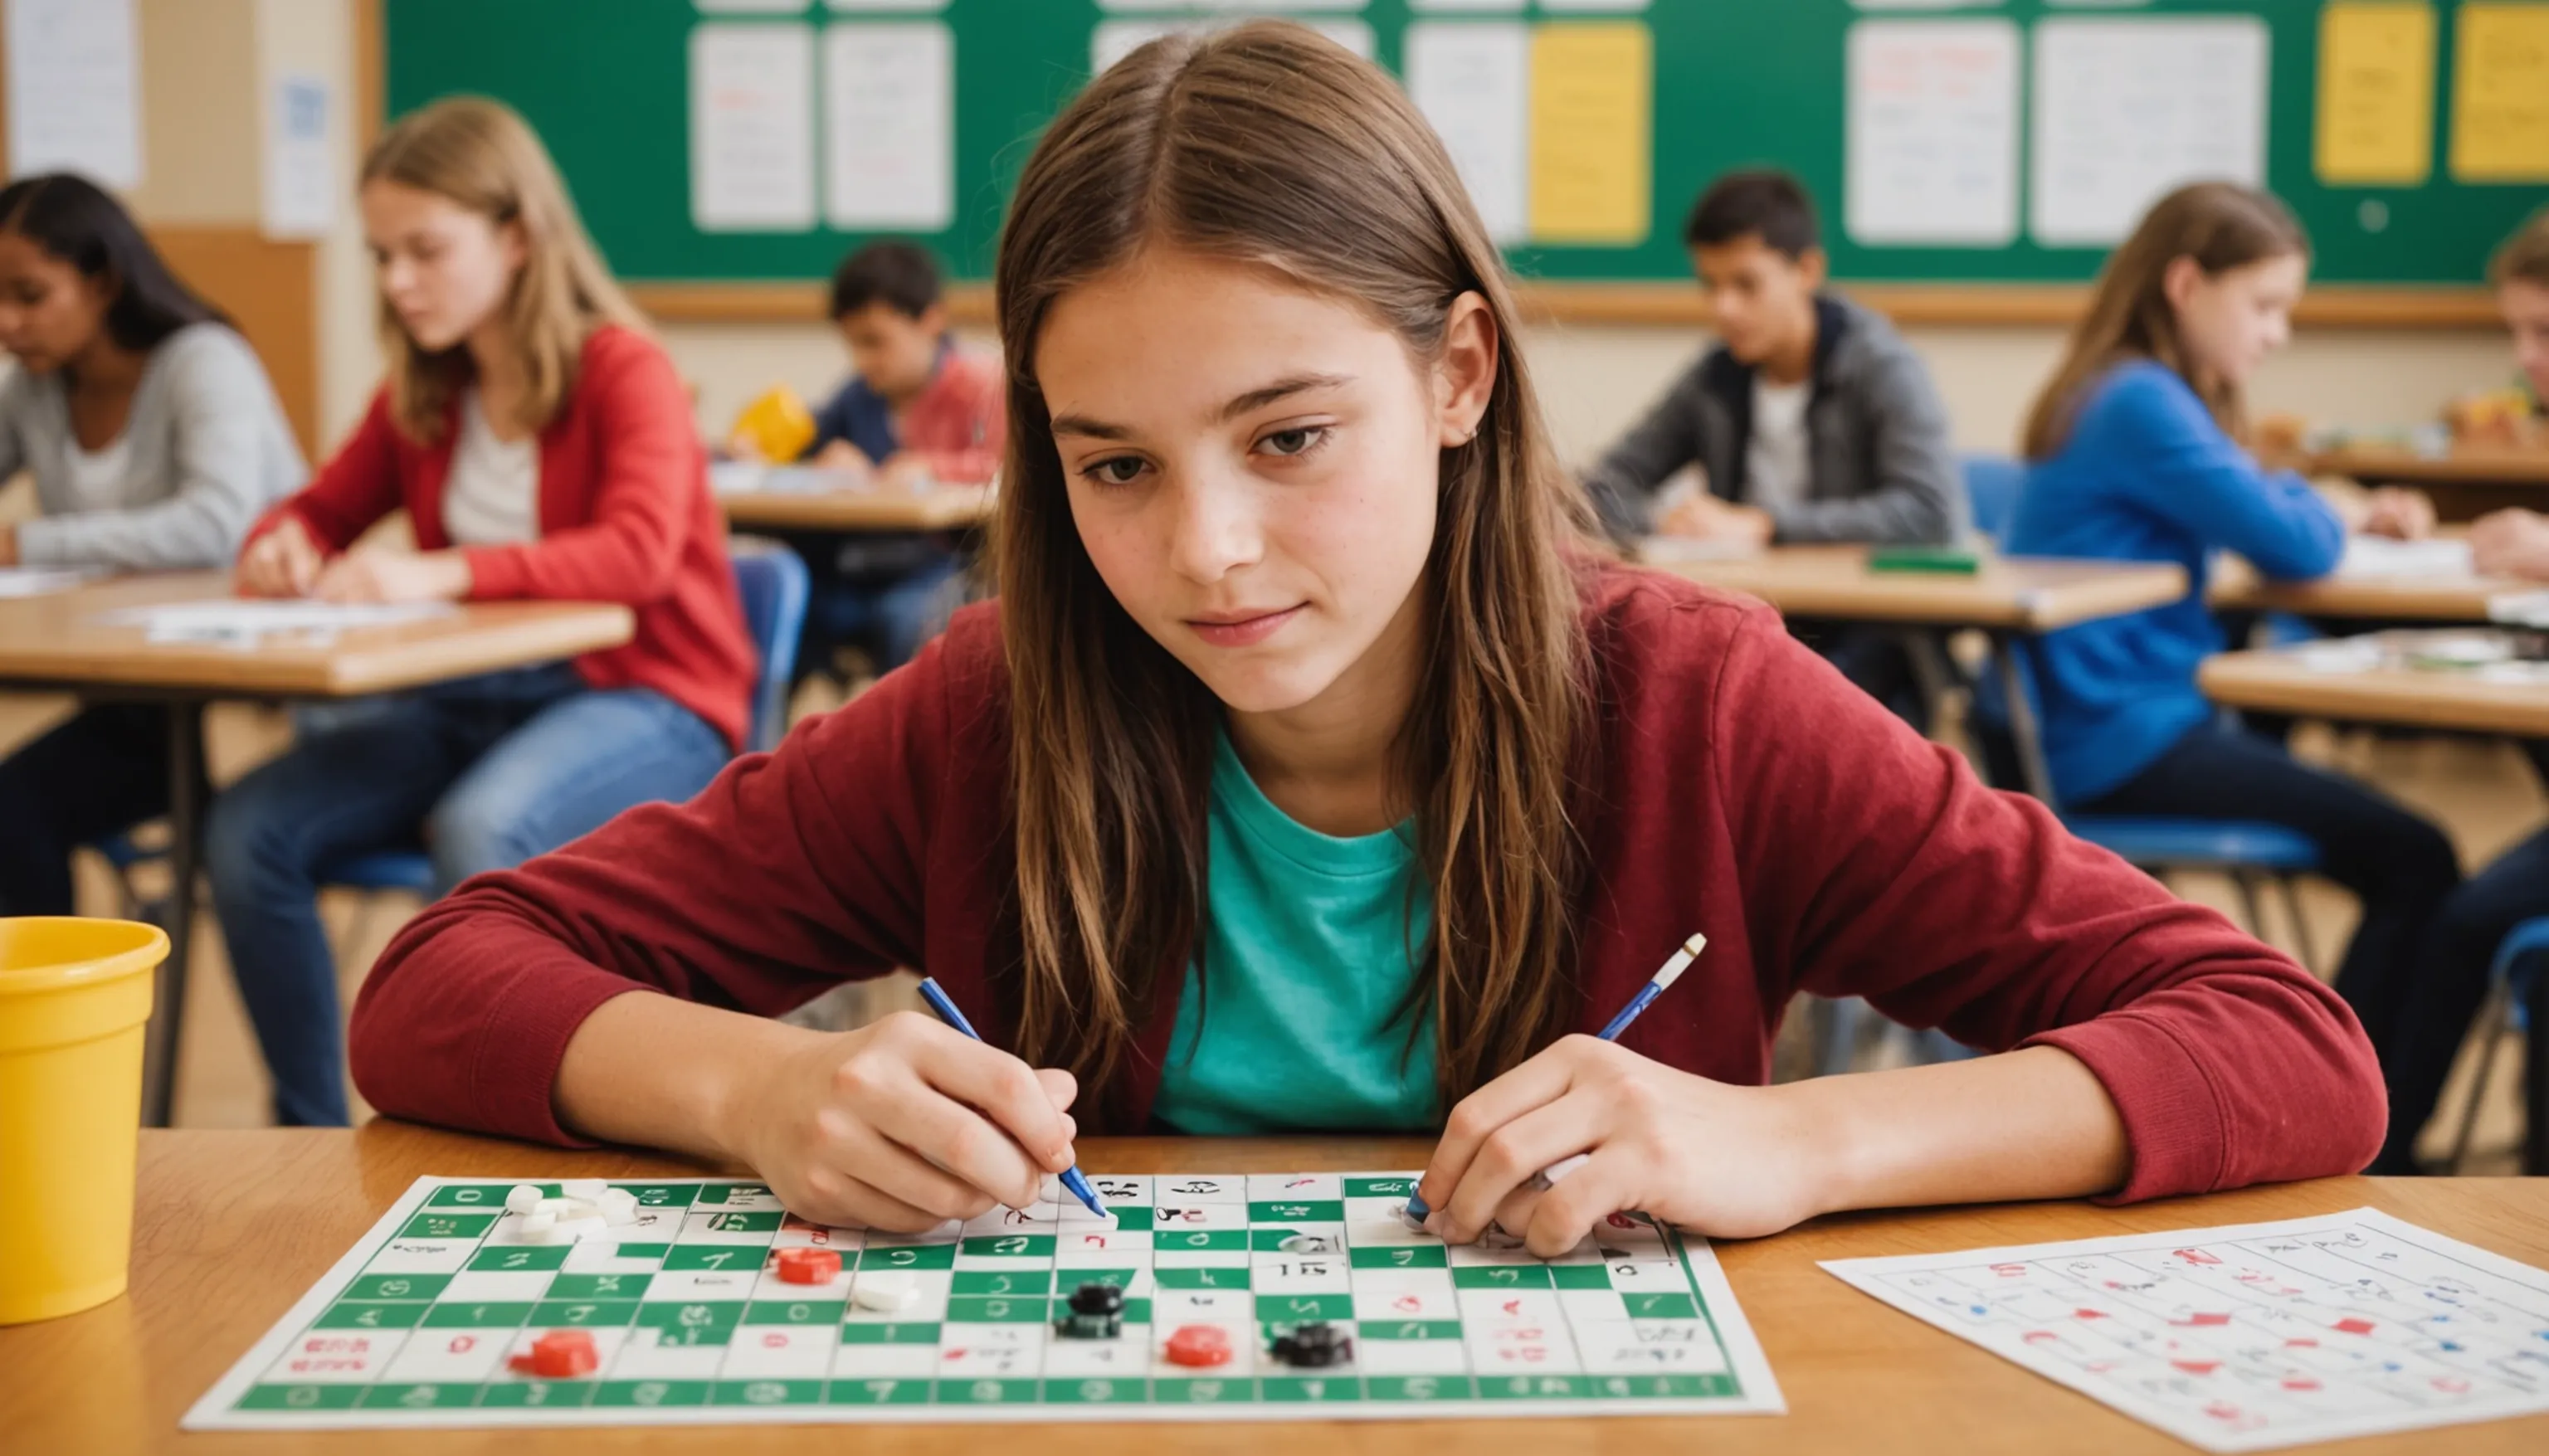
x=1314 y=1345
x=1096 y=1312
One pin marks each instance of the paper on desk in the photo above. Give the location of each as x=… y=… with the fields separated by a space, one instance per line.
x=245 y=623
x=1664 y=550
x=2381 y=557
x=741 y=476
x=2255 y=1335
x=2520 y=608
x=41 y=581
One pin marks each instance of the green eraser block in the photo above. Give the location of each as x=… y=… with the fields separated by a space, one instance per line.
x=1952 y=561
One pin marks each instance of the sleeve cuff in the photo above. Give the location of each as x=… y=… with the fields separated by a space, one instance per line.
x=522 y=1042
x=2175 y=1133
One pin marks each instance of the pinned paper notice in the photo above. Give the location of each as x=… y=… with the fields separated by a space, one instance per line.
x=2376 y=94
x=1591 y=119
x=2501 y=94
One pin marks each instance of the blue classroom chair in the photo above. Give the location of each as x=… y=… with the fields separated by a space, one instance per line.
x=2519 y=961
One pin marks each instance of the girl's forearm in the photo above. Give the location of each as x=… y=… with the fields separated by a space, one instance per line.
x=655 y=1071
x=2023 y=1124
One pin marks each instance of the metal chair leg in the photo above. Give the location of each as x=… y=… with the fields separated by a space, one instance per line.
x=2249 y=903
x=2302 y=946
x=2491 y=1022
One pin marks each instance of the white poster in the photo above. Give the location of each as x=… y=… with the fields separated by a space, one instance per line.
x=2126 y=108
x=752 y=128
x=1472 y=82
x=300 y=184
x=74 y=95
x=1933 y=133
x=890 y=127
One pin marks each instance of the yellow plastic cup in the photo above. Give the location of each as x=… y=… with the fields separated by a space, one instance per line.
x=778 y=423
x=75 y=995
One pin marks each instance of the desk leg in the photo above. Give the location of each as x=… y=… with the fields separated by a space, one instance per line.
x=168 y=1006
x=2022 y=729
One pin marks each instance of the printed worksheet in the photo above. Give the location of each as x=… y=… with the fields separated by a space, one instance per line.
x=2253 y=1336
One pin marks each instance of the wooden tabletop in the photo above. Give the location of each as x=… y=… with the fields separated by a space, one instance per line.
x=2282 y=681
x=2237 y=586
x=2471 y=465
x=950 y=509
x=232 y=1226
x=2020 y=593
x=61 y=640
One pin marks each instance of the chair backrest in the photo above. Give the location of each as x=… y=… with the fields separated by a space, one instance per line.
x=1992 y=483
x=772 y=582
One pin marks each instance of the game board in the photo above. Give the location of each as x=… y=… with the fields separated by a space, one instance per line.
x=417 y=1325
x=2251 y=1337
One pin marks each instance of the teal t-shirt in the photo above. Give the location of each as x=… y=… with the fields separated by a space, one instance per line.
x=1306 y=943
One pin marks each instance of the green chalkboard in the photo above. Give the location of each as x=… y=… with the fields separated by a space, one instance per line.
x=1737 y=82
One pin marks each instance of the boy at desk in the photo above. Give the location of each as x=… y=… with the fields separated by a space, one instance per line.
x=917 y=411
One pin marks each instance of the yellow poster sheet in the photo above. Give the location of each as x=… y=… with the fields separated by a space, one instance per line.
x=2376 y=94
x=1592 y=119
x=2501 y=94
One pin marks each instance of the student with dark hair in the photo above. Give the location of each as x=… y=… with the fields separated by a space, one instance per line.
x=917 y=411
x=1811 y=418
x=154 y=439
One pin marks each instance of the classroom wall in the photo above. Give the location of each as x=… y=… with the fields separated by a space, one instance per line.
x=1595 y=380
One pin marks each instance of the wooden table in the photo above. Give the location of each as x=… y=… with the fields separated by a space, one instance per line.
x=2467 y=483
x=233 y=1227
x=2280 y=682
x=945 y=509
x=2237 y=586
x=2008 y=598
x=61 y=642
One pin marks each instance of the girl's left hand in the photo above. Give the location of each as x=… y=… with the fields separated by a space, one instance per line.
x=1726 y=1161
x=372 y=574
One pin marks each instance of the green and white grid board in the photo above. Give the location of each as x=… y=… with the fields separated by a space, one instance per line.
x=414 y=1327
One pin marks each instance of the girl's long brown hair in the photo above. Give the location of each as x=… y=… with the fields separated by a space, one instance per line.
x=2220 y=226
x=1267 y=144
x=480 y=154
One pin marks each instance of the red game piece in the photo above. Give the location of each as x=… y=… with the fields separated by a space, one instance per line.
x=808 y=1265
x=1199 y=1344
x=561 y=1354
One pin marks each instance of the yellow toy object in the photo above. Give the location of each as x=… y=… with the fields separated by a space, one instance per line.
x=778 y=425
x=2496 y=417
x=73 y=997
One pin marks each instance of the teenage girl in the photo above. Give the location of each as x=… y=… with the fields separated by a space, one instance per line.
x=154 y=440
x=1311 y=774
x=2137 y=456
x=542 y=447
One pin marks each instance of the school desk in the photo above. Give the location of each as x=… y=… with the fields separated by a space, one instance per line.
x=61 y=643
x=2458 y=596
x=2465 y=483
x=2282 y=681
x=852 y=510
x=2006 y=598
x=232 y=1226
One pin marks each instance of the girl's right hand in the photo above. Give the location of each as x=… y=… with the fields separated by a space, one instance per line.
x=902 y=1124
x=284 y=561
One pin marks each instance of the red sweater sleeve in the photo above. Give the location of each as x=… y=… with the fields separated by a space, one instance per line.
x=791 y=871
x=358 y=485
x=1890 y=872
x=983 y=401
x=650 y=467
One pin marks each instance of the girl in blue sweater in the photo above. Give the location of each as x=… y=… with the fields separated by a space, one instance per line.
x=2135 y=456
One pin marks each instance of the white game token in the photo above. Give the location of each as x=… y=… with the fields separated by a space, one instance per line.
x=568 y=1231
x=883 y=1290
x=523 y=1199
x=587 y=1189
x=619 y=1206
x=537 y=1223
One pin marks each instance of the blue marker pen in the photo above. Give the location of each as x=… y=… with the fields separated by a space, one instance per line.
x=1070 y=1177
x=1655 y=985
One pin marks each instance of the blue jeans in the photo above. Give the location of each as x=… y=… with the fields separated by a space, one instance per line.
x=486 y=771
x=891 y=618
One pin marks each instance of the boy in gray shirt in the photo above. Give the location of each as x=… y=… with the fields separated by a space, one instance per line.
x=1812 y=420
